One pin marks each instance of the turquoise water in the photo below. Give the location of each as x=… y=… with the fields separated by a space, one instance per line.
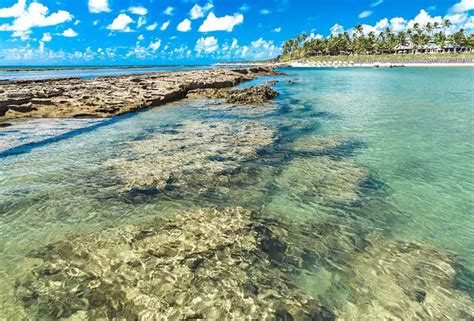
x=8 y=74
x=385 y=153
x=417 y=129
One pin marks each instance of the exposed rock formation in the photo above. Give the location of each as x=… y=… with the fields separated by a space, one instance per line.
x=255 y=95
x=106 y=96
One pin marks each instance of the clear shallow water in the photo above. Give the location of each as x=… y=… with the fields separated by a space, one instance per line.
x=385 y=153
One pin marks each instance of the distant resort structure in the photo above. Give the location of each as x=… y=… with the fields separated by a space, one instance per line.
x=432 y=38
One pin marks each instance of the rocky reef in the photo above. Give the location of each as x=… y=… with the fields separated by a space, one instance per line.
x=202 y=264
x=231 y=263
x=323 y=180
x=254 y=95
x=405 y=281
x=194 y=155
x=107 y=96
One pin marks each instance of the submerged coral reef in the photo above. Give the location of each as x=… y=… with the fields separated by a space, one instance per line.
x=192 y=154
x=405 y=281
x=202 y=264
x=323 y=180
x=232 y=264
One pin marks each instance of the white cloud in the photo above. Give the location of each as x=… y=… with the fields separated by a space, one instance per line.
x=141 y=21
x=141 y=11
x=121 y=23
x=245 y=50
x=463 y=6
x=337 y=29
x=365 y=14
x=278 y=29
x=423 y=18
x=169 y=11
x=98 y=6
x=165 y=25
x=398 y=24
x=234 y=44
x=226 y=23
x=376 y=3
x=244 y=8
x=258 y=49
x=198 y=12
x=184 y=25
x=312 y=35
x=14 y=11
x=96 y=22
x=140 y=37
x=23 y=35
x=46 y=37
x=265 y=11
x=152 y=27
x=69 y=33
x=206 y=45
x=155 y=45
x=36 y=16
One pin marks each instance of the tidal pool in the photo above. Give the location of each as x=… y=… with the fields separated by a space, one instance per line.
x=349 y=197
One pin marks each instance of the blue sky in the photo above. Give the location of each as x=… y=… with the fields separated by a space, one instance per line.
x=193 y=31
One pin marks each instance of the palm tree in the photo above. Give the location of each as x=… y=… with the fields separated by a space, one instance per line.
x=440 y=39
x=359 y=43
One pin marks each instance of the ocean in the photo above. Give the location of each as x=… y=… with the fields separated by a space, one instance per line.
x=364 y=178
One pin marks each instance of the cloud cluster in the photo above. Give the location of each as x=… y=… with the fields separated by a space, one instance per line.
x=206 y=45
x=121 y=23
x=458 y=15
x=198 y=12
x=98 y=6
x=184 y=26
x=141 y=11
x=226 y=23
x=26 y=18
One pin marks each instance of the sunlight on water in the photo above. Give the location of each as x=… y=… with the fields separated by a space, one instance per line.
x=350 y=197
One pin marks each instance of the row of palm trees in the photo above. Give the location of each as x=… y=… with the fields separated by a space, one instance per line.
x=414 y=39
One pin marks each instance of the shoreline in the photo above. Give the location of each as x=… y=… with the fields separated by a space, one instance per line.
x=362 y=61
x=342 y=64
x=112 y=95
x=337 y=64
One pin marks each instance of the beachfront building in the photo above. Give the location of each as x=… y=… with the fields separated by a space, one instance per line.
x=429 y=48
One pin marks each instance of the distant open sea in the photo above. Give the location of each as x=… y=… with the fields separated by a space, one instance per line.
x=46 y=72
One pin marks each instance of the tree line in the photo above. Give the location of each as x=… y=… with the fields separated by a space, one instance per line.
x=357 y=42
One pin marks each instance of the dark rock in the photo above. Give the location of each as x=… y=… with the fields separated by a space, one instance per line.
x=3 y=125
x=255 y=95
x=419 y=296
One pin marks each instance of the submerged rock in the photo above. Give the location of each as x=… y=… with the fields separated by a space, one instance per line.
x=221 y=264
x=405 y=281
x=318 y=144
x=202 y=264
x=322 y=180
x=196 y=155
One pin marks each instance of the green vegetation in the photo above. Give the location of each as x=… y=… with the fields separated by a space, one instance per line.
x=430 y=38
